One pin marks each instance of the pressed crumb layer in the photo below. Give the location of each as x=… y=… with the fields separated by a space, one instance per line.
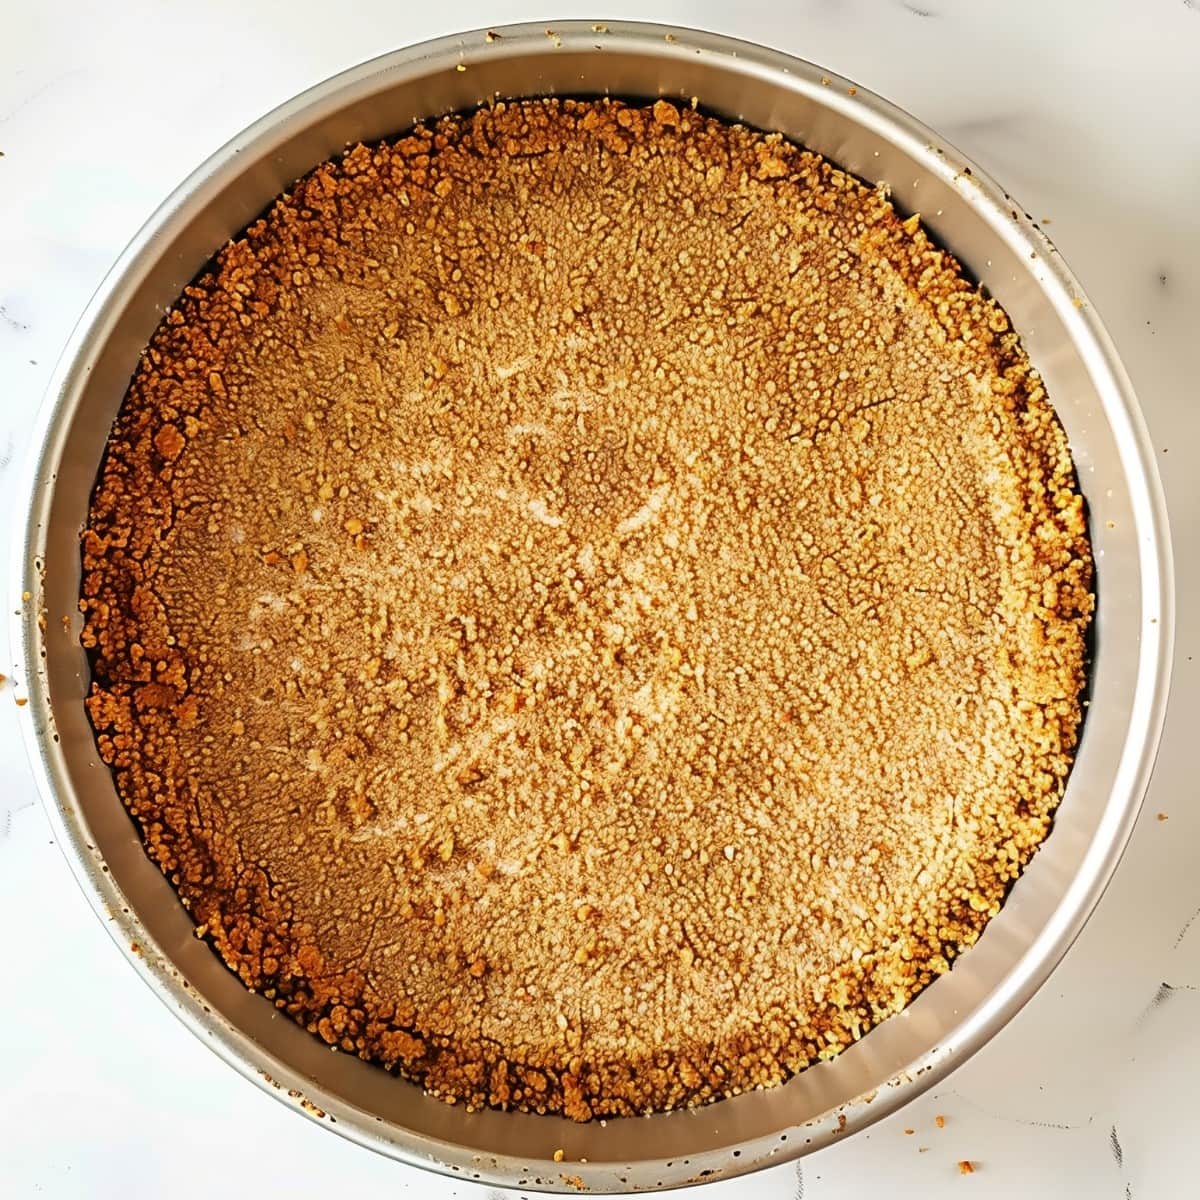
x=587 y=607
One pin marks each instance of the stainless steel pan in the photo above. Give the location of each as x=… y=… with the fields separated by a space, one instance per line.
x=1048 y=906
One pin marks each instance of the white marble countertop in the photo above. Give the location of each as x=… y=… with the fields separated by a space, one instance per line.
x=1088 y=112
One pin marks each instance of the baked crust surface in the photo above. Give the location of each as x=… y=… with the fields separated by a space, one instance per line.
x=587 y=607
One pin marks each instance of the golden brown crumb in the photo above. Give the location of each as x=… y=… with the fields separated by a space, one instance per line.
x=940 y=1121
x=587 y=607
x=558 y=1156
x=965 y=1167
x=1162 y=816
x=910 y=1131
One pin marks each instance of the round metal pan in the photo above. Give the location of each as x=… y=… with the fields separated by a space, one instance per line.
x=971 y=216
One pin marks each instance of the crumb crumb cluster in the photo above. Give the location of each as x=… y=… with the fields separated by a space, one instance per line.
x=587 y=607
